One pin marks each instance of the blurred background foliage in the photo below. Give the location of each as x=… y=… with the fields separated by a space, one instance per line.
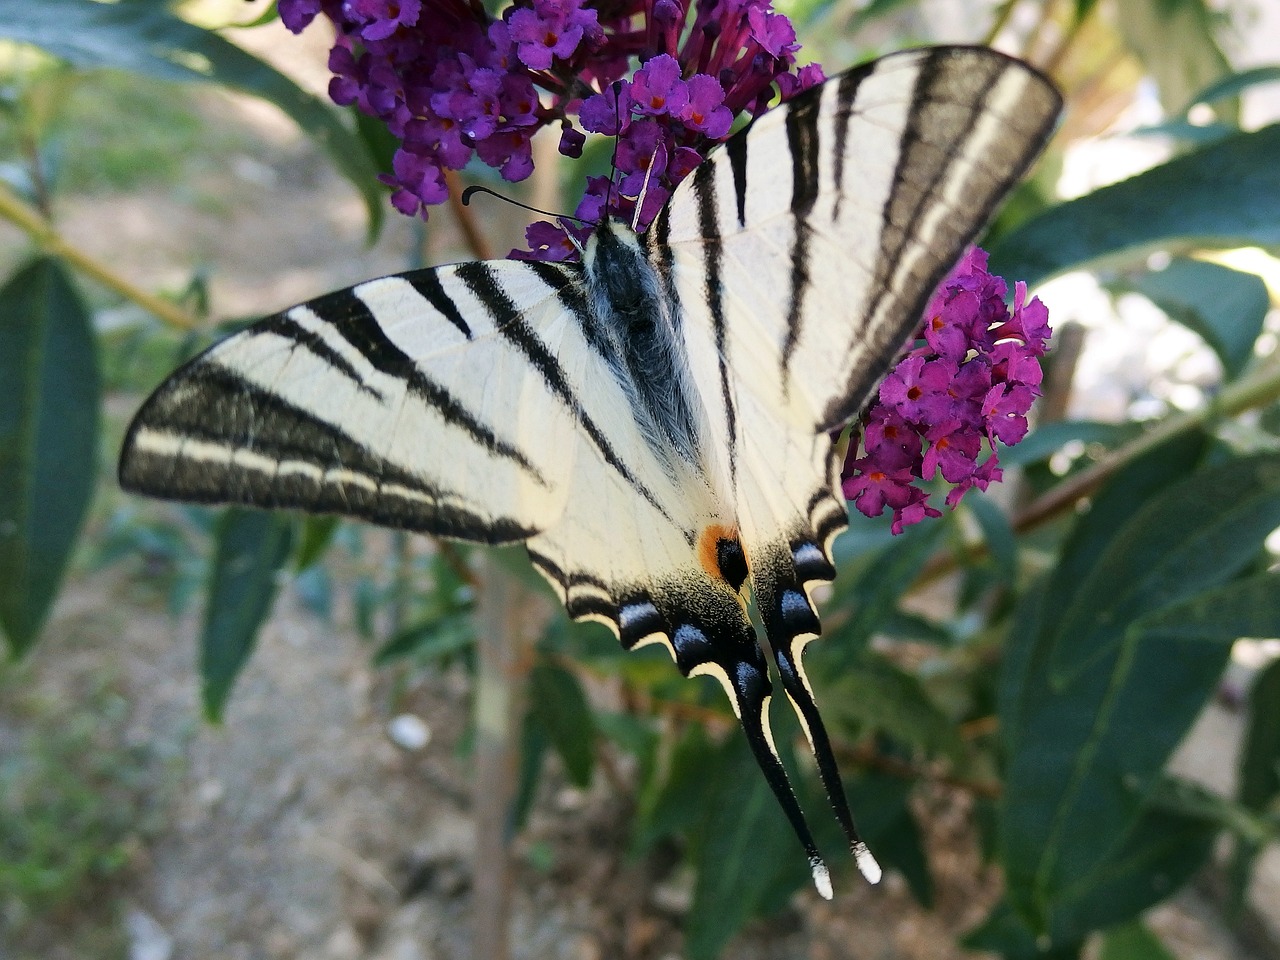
x=1039 y=654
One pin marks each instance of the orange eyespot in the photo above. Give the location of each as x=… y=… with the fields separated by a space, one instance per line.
x=721 y=554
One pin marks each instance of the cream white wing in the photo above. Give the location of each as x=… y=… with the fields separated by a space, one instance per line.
x=453 y=401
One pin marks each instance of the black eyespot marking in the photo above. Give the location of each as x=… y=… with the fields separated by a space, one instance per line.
x=731 y=561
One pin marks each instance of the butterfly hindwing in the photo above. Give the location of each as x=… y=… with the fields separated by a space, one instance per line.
x=802 y=255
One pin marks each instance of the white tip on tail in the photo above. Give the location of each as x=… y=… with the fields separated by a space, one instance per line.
x=866 y=862
x=821 y=878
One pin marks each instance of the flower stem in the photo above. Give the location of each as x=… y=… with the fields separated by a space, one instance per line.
x=1262 y=387
x=28 y=219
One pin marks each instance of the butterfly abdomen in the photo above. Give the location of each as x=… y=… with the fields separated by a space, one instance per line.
x=637 y=319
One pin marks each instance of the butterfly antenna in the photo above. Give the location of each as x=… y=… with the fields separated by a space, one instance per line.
x=468 y=193
x=644 y=188
x=613 y=159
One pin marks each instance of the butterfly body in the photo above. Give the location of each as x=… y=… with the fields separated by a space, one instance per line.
x=655 y=423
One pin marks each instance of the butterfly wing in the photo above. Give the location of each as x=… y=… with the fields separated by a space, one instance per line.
x=409 y=401
x=802 y=255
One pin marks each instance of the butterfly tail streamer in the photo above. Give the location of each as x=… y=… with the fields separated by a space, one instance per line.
x=791 y=623
x=719 y=641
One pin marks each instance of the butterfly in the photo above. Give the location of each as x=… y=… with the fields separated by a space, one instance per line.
x=654 y=423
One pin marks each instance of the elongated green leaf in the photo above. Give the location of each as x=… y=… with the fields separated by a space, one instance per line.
x=743 y=844
x=1133 y=941
x=534 y=745
x=317 y=534
x=1226 y=307
x=49 y=395
x=429 y=639
x=1234 y=84
x=557 y=701
x=1188 y=798
x=1005 y=932
x=145 y=37
x=252 y=546
x=1175 y=41
x=998 y=534
x=1223 y=195
x=1161 y=853
x=1098 y=715
x=885 y=820
x=875 y=593
x=1260 y=759
x=673 y=801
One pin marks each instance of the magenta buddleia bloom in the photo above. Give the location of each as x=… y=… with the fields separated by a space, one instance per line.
x=969 y=384
x=453 y=82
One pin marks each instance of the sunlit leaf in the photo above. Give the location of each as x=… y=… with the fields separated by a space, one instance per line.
x=147 y=38
x=1226 y=307
x=1224 y=195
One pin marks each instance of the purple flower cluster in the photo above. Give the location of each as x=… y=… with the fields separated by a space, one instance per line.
x=451 y=82
x=972 y=379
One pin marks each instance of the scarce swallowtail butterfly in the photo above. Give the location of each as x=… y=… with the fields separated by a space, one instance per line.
x=655 y=423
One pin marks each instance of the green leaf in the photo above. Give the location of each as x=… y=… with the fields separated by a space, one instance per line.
x=49 y=397
x=429 y=639
x=882 y=805
x=1175 y=42
x=1158 y=857
x=1226 y=194
x=673 y=801
x=875 y=592
x=870 y=693
x=998 y=535
x=1188 y=539
x=146 y=38
x=1100 y=700
x=743 y=844
x=1233 y=85
x=533 y=751
x=1006 y=933
x=1133 y=941
x=1177 y=795
x=252 y=546
x=1226 y=307
x=557 y=701
x=317 y=534
x=1090 y=536
x=1161 y=853
x=1260 y=758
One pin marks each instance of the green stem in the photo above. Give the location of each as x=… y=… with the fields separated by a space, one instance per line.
x=28 y=219
x=1260 y=388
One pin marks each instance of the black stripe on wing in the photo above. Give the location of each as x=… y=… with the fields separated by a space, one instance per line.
x=282 y=325
x=509 y=322
x=704 y=191
x=352 y=319
x=802 y=142
x=265 y=452
x=932 y=142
